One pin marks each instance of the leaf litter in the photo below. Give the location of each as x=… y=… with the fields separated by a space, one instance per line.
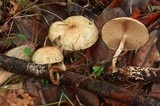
x=27 y=22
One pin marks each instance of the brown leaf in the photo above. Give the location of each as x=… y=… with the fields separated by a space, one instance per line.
x=152 y=57
x=51 y=93
x=158 y=42
x=15 y=7
x=87 y=98
x=100 y=52
x=34 y=31
x=114 y=102
x=155 y=2
x=15 y=97
x=53 y=11
x=115 y=3
x=143 y=52
x=1 y=3
x=149 y=18
x=107 y=14
x=128 y=6
x=32 y=86
x=155 y=91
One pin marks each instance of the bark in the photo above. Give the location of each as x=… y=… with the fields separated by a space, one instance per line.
x=23 y=67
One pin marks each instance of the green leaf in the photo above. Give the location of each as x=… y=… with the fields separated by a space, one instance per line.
x=155 y=8
x=9 y=41
x=28 y=51
x=22 y=36
x=98 y=70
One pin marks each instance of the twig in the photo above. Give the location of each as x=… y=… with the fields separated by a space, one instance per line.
x=23 y=67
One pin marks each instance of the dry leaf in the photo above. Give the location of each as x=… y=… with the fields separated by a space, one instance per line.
x=108 y=14
x=10 y=97
x=158 y=42
x=155 y=91
x=143 y=52
x=33 y=30
x=15 y=7
x=17 y=52
x=152 y=57
x=129 y=6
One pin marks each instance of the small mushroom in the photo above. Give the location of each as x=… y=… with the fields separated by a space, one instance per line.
x=51 y=56
x=74 y=33
x=124 y=33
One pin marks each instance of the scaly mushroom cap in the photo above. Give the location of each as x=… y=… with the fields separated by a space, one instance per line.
x=76 y=33
x=137 y=33
x=47 y=55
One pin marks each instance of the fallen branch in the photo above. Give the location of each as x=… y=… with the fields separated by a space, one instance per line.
x=101 y=88
x=23 y=67
x=104 y=89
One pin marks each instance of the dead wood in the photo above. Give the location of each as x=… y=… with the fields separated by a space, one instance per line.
x=104 y=89
x=23 y=67
x=101 y=88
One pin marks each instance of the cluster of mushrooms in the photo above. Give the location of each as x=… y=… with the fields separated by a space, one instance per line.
x=78 y=33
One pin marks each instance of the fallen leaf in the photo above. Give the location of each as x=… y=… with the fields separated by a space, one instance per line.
x=155 y=2
x=108 y=14
x=100 y=52
x=128 y=6
x=158 y=42
x=17 y=52
x=87 y=98
x=15 y=98
x=155 y=91
x=115 y=3
x=15 y=7
x=152 y=57
x=136 y=13
x=52 y=11
x=112 y=102
x=30 y=31
x=149 y=18
x=143 y=52
x=1 y=3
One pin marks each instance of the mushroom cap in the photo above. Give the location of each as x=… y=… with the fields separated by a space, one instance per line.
x=47 y=55
x=137 y=33
x=77 y=33
x=56 y=30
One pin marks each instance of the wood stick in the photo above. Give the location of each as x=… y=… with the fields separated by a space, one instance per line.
x=23 y=67
x=104 y=89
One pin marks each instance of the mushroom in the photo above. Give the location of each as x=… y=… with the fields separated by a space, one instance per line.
x=124 y=33
x=51 y=56
x=75 y=33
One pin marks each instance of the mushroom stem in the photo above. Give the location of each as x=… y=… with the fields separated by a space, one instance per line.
x=118 y=51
